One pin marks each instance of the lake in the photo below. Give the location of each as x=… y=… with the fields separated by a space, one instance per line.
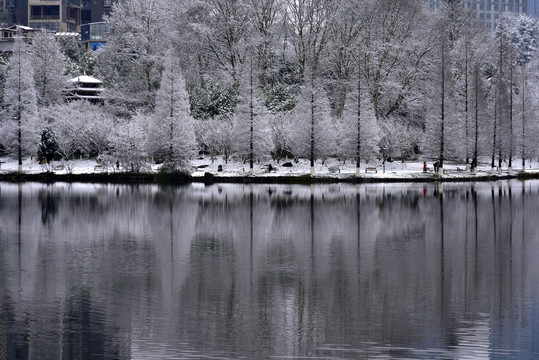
x=405 y=271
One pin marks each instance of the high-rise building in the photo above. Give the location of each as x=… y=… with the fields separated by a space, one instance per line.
x=94 y=10
x=534 y=8
x=489 y=11
x=17 y=10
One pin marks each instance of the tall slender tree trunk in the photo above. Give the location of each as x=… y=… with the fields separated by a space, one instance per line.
x=19 y=114
x=510 y=112
x=251 y=119
x=312 y=140
x=358 y=145
x=442 y=111
x=476 y=135
x=523 y=148
x=495 y=130
x=466 y=104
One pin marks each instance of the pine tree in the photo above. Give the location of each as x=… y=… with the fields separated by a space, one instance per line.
x=20 y=132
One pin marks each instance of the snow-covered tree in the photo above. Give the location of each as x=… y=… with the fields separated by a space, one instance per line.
x=130 y=61
x=281 y=133
x=49 y=69
x=312 y=134
x=251 y=121
x=4 y=66
x=128 y=143
x=310 y=21
x=223 y=32
x=397 y=38
x=216 y=136
x=443 y=130
x=171 y=133
x=359 y=133
x=67 y=123
x=20 y=129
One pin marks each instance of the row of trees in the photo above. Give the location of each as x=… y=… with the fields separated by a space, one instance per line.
x=283 y=78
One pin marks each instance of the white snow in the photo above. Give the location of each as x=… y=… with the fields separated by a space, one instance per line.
x=393 y=171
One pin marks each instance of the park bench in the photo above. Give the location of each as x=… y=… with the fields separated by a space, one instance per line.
x=99 y=167
x=373 y=169
x=58 y=167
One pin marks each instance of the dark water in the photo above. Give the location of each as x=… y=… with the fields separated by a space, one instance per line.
x=258 y=272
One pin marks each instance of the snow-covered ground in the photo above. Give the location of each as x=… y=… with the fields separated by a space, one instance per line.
x=330 y=169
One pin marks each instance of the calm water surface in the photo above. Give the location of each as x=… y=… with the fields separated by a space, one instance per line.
x=267 y=271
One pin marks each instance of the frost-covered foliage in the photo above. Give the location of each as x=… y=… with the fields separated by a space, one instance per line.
x=523 y=32
x=128 y=142
x=49 y=69
x=216 y=136
x=212 y=101
x=130 y=62
x=358 y=131
x=20 y=129
x=313 y=131
x=253 y=140
x=66 y=122
x=4 y=66
x=171 y=134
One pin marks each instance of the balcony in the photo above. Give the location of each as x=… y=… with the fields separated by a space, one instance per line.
x=11 y=4
x=73 y=3
x=45 y=17
x=107 y=3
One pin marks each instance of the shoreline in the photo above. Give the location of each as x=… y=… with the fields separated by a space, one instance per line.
x=216 y=178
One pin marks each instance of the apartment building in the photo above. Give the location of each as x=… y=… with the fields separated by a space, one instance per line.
x=55 y=15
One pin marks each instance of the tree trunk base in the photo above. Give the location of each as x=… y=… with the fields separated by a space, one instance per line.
x=358 y=172
x=509 y=170
x=312 y=170
x=20 y=168
x=499 y=170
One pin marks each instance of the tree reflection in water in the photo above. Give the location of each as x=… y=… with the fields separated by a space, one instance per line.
x=254 y=271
